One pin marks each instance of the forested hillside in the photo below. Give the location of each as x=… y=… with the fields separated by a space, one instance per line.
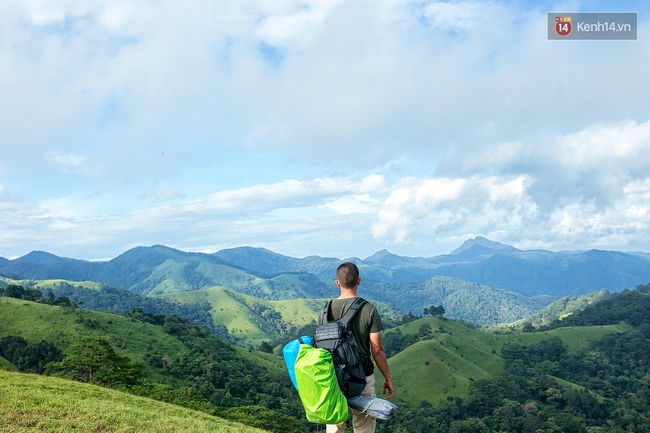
x=471 y=302
x=585 y=373
x=628 y=306
x=158 y=356
x=559 y=309
x=549 y=386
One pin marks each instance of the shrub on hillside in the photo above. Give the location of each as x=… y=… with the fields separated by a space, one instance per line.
x=31 y=358
x=190 y=398
x=93 y=360
x=261 y=417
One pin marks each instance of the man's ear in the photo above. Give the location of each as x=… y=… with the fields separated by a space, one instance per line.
x=337 y=283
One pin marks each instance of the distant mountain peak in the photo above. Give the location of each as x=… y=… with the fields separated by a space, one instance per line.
x=482 y=242
x=379 y=255
x=40 y=257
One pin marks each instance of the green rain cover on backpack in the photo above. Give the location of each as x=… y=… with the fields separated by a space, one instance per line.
x=318 y=389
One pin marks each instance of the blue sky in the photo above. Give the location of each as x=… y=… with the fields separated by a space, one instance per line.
x=328 y=127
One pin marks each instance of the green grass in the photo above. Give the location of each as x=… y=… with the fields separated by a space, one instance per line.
x=7 y=365
x=230 y=309
x=443 y=366
x=558 y=309
x=233 y=310
x=32 y=403
x=170 y=277
x=45 y=285
x=63 y=327
x=298 y=312
x=35 y=322
x=456 y=355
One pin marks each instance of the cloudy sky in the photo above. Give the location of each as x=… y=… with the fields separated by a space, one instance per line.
x=328 y=127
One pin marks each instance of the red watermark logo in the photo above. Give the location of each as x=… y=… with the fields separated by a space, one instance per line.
x=563 y=26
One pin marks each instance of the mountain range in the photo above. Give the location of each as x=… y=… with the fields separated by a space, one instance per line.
x=483 y=281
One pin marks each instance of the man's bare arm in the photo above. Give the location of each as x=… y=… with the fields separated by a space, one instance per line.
x=379 y=354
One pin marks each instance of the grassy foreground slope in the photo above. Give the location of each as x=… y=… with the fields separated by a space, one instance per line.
x=32 y=403
x=445 y=361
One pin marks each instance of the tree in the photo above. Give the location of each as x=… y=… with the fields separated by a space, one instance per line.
x=50 y=298
x=34 y=357
x=14 y=291
x=11 y=346
x=93 y=360
x=434 y=311
x=265 y=347
x=528 y=327
x=28 y=357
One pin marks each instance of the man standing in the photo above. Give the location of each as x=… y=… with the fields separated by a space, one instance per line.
x=366 y=327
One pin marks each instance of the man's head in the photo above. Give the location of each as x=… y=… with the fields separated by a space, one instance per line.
x=347 y=275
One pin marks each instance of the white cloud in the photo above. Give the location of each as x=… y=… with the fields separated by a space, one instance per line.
x=347 y=205
x=502 y=192
x=423 y=209
x=433 y=120
x=157 y=194
x=65 y=160
x=585 y=188
x=121 y=17
x=287 y=194
x=296 y=29
x=458 y=15
x=626 y=143
x=349 y=75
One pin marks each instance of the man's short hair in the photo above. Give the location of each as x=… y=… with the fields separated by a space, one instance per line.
x=348 y=274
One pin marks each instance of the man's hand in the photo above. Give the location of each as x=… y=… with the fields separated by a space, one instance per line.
x=378 y=352
x=388 y=385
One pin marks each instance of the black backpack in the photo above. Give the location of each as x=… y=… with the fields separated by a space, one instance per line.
x=336 y=336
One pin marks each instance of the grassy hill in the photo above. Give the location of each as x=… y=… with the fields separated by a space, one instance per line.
x=228 y=309
x=558 y=310
x=60 y=326
x=32 y=403
x=175 y=353
x=444 y=359
x=63 y=326
x=251 y=320
x=45 y=285
x=451 y=356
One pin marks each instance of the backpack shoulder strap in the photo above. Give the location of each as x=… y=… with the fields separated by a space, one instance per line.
x=352 y=311
x=325 y=312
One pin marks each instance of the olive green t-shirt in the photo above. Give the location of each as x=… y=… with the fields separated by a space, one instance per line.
x=365 y=322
